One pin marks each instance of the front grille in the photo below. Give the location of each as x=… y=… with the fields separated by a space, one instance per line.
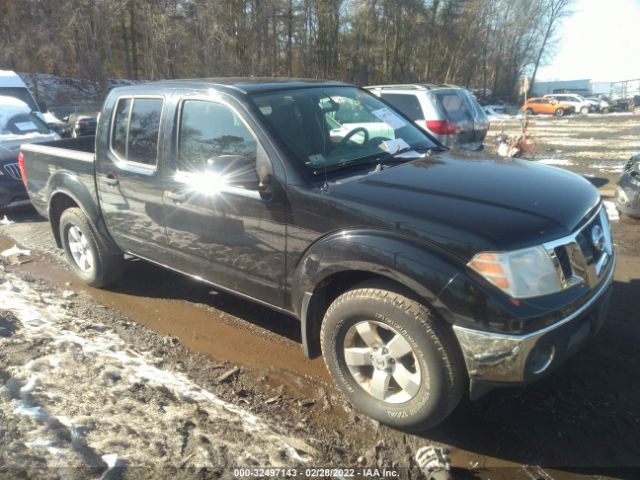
x=564 y=261
x=583 y=256
x=13 y=170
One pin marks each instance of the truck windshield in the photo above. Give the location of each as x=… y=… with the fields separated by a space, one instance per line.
x=334 y=126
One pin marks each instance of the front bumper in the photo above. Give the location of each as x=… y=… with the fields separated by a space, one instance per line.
x=628 y=195
x=495 y=358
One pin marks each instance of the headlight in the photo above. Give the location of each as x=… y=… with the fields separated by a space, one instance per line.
x=521 y=274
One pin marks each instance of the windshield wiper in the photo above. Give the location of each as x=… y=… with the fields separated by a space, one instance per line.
x=380 y=159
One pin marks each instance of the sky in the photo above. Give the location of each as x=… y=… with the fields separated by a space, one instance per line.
x=600 y=41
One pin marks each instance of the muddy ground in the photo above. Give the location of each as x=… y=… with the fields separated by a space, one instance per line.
x=159 y=376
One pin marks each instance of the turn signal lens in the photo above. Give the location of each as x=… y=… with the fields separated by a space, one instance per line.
x=521 y=273
x=488 y=265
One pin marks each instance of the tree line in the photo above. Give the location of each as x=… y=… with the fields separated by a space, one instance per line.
x=475 y=43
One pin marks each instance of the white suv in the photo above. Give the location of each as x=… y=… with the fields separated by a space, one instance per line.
x=449 y=113
x=581 y=104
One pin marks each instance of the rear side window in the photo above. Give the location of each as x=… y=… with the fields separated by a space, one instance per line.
x=136 y=129
x=211 y=131
x=406 y=103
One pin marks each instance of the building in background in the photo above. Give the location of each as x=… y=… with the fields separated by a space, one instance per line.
x=581 y=87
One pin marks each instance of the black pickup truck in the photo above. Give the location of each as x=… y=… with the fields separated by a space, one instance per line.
x=418 y=273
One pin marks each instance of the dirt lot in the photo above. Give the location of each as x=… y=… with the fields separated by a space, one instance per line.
x=159 y=376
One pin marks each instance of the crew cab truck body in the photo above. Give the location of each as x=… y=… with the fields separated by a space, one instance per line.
x=417 y=272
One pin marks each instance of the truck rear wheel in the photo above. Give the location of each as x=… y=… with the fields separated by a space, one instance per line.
x=89 y=258
x=392 y=358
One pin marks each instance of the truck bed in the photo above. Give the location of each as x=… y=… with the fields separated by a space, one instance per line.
x=51 y=164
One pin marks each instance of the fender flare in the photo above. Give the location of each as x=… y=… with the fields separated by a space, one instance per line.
x=422 y=268
x=68 y=184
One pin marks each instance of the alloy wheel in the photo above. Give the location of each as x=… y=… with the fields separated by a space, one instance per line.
x=80 y=250
x=382 y=362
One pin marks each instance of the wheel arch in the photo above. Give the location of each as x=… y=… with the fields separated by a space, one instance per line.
x=338 y=262
x=63 y=198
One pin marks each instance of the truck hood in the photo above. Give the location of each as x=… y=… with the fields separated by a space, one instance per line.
x=469 y=202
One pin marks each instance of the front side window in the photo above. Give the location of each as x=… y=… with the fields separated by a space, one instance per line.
x=136 y=128
x=210 y=135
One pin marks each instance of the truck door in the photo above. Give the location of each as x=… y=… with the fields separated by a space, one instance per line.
x=128 y=177
x=222 y=223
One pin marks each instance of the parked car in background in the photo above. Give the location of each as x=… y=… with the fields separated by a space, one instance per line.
x=79 y=124
x=12 y=85
x=628 y=190
x=547 y=105
x=600 y=102
x=18 y=125
x=622 y=93
x=578 y=102
x=450 y=113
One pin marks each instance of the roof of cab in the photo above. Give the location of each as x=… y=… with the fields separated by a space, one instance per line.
x=244 y=85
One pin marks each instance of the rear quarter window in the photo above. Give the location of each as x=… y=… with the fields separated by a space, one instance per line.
x=406 y=103
x=453 y=105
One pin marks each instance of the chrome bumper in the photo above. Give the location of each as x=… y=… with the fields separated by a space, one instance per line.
x=501 y=358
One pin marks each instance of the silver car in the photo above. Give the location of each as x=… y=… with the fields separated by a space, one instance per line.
x=449 y=113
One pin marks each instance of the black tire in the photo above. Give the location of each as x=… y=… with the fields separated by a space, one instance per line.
x=559 y=112
x=433 y=343
x=528 y=111
x=106 y=267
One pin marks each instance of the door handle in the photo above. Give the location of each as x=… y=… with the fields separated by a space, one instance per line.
x=175 y=196
x=110 y=179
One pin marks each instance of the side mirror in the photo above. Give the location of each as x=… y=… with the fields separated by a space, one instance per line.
x=238 y=170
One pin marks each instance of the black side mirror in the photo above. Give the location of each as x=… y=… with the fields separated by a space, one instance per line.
x=238 y=170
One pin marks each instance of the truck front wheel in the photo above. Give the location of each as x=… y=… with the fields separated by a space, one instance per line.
x=392 y=358
x=85 y=251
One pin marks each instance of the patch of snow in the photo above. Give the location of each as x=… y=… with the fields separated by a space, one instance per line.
x=23 y=409
x=39 y=443
x=555 y=161
x=50 y=118
x=90 y=386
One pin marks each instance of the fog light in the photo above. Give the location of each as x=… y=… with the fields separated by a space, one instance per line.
x=541 y=357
